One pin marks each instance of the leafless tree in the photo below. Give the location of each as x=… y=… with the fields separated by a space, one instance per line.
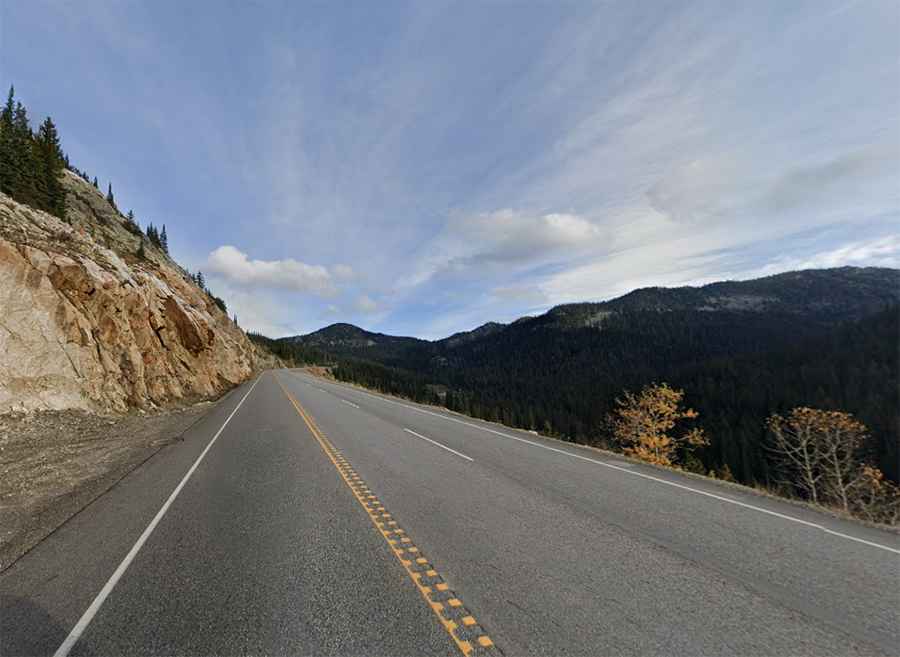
x=796 y=442
x=840 y=437
x=823 y=453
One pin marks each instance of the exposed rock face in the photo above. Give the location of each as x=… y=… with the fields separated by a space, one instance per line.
x=87 y=323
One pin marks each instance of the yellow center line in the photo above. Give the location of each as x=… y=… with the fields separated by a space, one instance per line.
x=409 y=556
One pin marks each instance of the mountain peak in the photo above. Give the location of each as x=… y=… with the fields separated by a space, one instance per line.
x=488 y=328
x=837 y=293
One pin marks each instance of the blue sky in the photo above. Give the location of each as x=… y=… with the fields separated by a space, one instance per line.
x=421 y=168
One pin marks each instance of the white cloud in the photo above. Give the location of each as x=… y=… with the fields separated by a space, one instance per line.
x=879 y=252
x=257 y=312
x=514 y=236
x=233 y=265
x=504 y=239
x=366 y=305
x=511 y=236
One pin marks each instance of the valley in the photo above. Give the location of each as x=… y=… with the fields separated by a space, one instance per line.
x=741 y=351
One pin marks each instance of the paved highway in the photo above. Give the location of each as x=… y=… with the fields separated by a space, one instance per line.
x=307 y=517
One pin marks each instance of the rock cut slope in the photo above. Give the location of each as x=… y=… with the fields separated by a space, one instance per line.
x=90 y=321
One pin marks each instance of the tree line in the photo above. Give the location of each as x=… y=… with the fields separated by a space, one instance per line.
x=31 y=163
x=734 y=369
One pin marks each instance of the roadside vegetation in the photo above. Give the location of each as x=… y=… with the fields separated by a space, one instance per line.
x=827 y=458
x=822 y=457
x=642 y=425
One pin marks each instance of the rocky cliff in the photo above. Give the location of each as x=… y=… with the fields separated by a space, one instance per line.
x=90 y=320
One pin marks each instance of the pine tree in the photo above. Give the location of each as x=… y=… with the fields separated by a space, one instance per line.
x=30 y=164
x=164 y=240
x=25 y=186
x=200 y=282
x=110 y=198
x=154 y=236
x=96 y=183
x=8 y=170
x=50 y=161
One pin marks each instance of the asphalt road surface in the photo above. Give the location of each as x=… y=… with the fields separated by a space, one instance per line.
x=303 y=517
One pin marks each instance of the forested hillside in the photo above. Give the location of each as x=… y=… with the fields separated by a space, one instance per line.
x=740 y=350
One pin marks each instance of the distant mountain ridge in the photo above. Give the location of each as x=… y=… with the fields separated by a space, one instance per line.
x=845 y=292
x=348 y=335
x=462 y=337
x=829 y=295
x=741 y=350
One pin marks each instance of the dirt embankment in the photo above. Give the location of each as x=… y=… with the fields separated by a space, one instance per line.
x=54 y=463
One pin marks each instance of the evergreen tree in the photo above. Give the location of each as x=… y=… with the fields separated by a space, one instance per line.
x=51 y=162
x=201 y=283
x=164 y=240
x=30 y=165
x=8 y=167
x=24 y=187
x=154 y=236
x=96 y=183
x=110 y=198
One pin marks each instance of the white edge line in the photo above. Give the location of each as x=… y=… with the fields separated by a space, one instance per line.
x=637 y=474
x=92 y=610
x=434 y=442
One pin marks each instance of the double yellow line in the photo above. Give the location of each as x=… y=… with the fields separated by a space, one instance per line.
x=453 y=615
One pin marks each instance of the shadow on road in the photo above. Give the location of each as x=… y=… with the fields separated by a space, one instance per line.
x=27 y=629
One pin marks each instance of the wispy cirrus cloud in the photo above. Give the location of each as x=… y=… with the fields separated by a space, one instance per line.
x=449 y=164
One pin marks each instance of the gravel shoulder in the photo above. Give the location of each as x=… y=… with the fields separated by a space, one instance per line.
x=54 y=463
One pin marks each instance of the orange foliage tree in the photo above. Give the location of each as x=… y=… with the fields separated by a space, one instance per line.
x=642 y=423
